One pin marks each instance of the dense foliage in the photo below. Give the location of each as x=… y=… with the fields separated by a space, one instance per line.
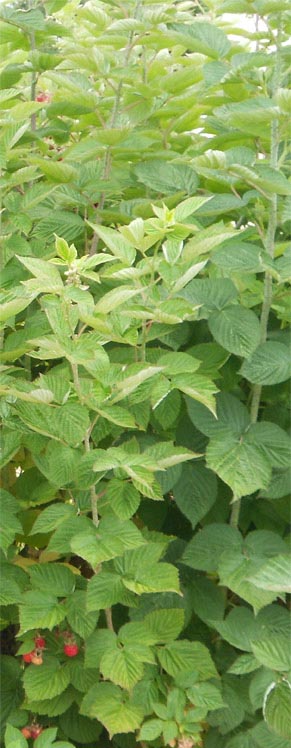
x=145 y=374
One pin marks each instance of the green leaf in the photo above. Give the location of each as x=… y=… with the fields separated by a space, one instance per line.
x=205 y=694
x=268 y=364
x=56 y=577
x=277 y=708
x=211 y=294
x=198 y=387
x=40 y=610
x=60 y=173
x=239 y=257
x=81 y=622
x=206 y=599
x=114 y=710
x=119 y=247
x=231 y=414
x=265 y=739
x=131 y=383
x=46 y=681
x=153 y=578
x=115 y=298
x=205 y=549
x=10 y=523
x=16 y=305
x=241 y=465
x=112 y=539
x=274 y=575
x=203 y=37
x=151 y=729
x=78 y=728
x=14 y=738
x=237 y=329
x=239 y=628
x=273 y=441
x=104 y=590
x=67 y=423
x=184 y=656
x=273 y=652
x=164 y=625
x=246 y=663
x=54 y=707
x=100 y=641
x=51 y=517
x=235 y=569
x=45 y=740
x=167 y=178
x=189 y=206
x=203 y=243
x=44 y=273
x=279 y=485
x=123 y=498
x=195 y=492
x=122 y=667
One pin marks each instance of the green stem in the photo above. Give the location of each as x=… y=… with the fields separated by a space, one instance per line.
x=235 y=512
x=270 y=248
x=108 y=616
x=268 y=282
x=112 y=123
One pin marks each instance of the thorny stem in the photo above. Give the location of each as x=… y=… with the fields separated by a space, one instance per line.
x=112 y=123
x=93 y=495
x=270 y=237
x=33 y=85
x=270 y=248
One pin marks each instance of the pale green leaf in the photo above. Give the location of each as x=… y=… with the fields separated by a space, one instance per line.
x=189 y=206
x=115 y=298
x=115 y=242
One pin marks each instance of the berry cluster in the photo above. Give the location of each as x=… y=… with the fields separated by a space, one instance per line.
x=32 y=731
x=70 y=648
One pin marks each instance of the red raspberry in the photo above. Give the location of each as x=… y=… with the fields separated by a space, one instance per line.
x=71 y=650
x=26 y=732
x=40 y=642
x=35 y=731
x=27 y=657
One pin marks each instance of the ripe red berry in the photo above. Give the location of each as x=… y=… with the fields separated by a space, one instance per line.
x=71 y=650
x=35 y=731
x=40 y=642
x=26 y=732
x=42 y=96
x=27 y=657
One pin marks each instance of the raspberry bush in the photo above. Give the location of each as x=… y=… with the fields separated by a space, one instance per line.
x=145 y=374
